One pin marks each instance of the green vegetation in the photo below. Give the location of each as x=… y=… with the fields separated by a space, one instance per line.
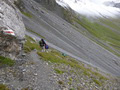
x=6 y=61
x=58 y=71
x=26 y=89
x=70 y=82
x=67 y=15
x=56 y=57
x=102 y=33
x=27 y=14
x=97 y=82
x=70 y=79
x=99 y=75
x=111 y=23
x=72 y=89
x=98 y=30
x=19 y=4
x=60 y=82
x=30 y=45
x=3 y=87
x=34 y=32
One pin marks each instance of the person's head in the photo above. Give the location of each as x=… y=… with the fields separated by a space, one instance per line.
x=42 y=40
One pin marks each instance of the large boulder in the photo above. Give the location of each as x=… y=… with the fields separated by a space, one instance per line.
x=11 y=20
x=10 y=46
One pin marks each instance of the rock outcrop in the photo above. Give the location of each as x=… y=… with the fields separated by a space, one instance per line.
x=10 y=46
x=10 y=17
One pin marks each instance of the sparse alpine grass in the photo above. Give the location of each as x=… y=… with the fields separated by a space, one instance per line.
x=6 y=61
x=32 y=31
x=97 y=82
x=58 y=71
x=102 y=32
x=56 y=57
x=30 y=45
x=3 y=87
x=27 y=14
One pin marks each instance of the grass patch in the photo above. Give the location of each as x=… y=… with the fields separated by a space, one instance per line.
x=58 y=71
x=70 y=79
x=56 y=57
x=111 y=23
x=72 y=89
x=99 y=31
x=60 y=82
x=35 y=33
x=101 y=77
x=108 y=48
x=27 y=14
x=26 y=89
x=67 y=15
x=97 y=82
x=30 y=45
x=86 y=73
x=3 y=87
x=102 y=33
x=53 y=58
x=30 y=38
x=6 y=61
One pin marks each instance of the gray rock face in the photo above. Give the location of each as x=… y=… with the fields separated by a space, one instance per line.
x=52 y=6
x=10 y=17
x=112 y=3
x=10 y=46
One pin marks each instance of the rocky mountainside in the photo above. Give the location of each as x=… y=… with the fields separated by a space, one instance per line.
x=51 y=70
x=52 y=6
x=93 y=42
x=93 y=26
x=113 y=4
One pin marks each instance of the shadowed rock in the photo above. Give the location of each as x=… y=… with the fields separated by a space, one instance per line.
x=9 y=46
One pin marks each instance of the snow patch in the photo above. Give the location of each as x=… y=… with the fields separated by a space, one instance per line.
x=91 y=7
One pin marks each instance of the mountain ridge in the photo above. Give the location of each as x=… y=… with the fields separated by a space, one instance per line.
x=92 y=66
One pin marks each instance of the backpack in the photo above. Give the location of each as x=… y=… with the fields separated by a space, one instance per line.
x=46 y=46
x=41 y=43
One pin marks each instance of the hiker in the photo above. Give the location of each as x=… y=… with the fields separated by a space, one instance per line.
x=42 y=44
x=64 y=54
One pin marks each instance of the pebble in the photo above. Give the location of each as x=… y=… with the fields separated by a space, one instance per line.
x=46 y=63
x=24 y=70
x=35 y=74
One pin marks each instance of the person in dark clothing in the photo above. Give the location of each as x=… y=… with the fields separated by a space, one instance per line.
x=43 y=41
x=42 y=44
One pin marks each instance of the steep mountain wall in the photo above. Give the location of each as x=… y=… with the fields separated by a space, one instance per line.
x=10 y=17
x=52 y=6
